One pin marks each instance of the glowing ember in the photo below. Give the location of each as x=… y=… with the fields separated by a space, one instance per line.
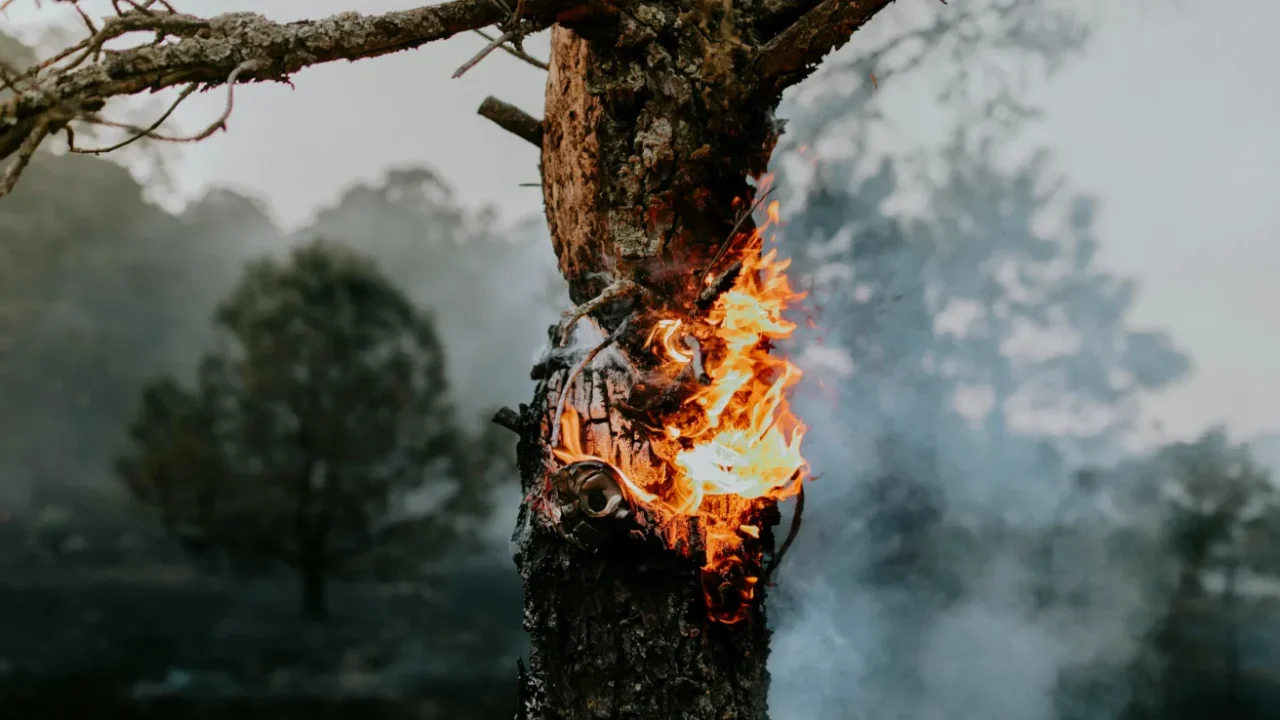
x=734 y=445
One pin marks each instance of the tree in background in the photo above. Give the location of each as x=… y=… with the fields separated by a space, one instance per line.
x=983 y=339
x=1215 y=495
x=322 y=413
x=1211 y=504
x=487 y=282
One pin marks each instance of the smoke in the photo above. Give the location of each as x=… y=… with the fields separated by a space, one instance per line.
x=987 y=616
x=949 y=562
x=971 y=356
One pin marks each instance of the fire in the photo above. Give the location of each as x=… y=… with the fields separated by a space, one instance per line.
x=734 y=444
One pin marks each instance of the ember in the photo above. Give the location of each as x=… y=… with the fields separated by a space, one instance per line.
x=732 y=445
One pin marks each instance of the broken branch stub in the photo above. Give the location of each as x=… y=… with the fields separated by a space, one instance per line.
x=512 y=119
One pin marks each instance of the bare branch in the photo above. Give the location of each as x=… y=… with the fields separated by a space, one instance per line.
x=138 y=133
x=514 y=52
x=790 y=56
x=27 y=149
x=494 y=44
x=512 y=119
x=185 y=49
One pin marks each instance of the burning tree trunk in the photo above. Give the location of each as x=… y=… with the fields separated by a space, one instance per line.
x=653 y=128
x=651 y=464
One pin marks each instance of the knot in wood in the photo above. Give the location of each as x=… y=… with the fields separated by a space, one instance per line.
x=590 y=502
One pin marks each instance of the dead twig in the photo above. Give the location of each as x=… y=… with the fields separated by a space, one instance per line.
x=515 y=52
x=791 y=536
x=475 y=60
x=139 y=133
x=619 y=289
x=728 y=241
x=149 y=132
x=28 y=148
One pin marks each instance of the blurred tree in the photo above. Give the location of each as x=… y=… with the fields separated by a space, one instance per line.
x=99 y=291
x=490 y=283
x=315 y=429
x=1215 y=493
x=959 y=277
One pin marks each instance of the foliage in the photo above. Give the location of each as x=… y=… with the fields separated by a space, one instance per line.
x=1216 y=494
x=99 y=290
x=490 y=283
x=322 y=414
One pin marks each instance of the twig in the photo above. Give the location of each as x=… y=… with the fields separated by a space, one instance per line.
x=221 y=122
x=8 y=76
x=25 y=152
x=215 y=126
x=512 y=119
x=791 y=536
x=724 y=246
x=139 y=133
x=577 y=370
x=516 y=53
x=493 y=45
x=618 y=290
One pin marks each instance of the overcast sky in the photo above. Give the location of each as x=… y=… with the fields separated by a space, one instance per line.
x=1173 y=120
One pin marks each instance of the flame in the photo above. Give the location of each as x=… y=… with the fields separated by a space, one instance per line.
x=734 y=445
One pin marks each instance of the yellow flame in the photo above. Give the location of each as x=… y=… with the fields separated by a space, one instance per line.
x=736 y=441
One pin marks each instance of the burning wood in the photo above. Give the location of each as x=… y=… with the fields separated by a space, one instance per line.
x=719 y=441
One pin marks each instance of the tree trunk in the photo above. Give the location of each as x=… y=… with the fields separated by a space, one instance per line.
x=658 y=114
x=314 y=590
x=647 y=146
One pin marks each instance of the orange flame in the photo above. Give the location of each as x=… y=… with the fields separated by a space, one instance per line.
x=735 y=444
